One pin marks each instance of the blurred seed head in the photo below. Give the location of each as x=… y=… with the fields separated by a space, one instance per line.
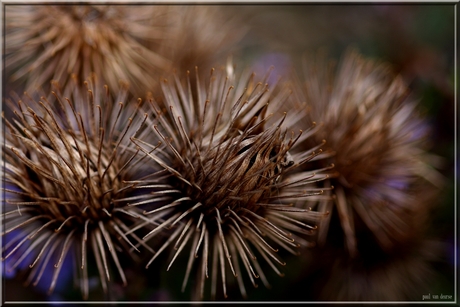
x=203 y=36
x=50 y=42
x=232 y=190
x=376 y=139
x=68 y=165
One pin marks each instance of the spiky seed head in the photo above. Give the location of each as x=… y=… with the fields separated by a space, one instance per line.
x=232 y=186
x=49 y=42
x=376 y=139
x=69 y=164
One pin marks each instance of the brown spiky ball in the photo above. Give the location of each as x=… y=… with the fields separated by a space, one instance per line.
x=69 y=165
x=231 y=199
x=117 y=42
x=376 y=138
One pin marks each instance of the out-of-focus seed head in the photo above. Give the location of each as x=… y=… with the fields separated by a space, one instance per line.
x=68 y=164
x=203 y=36
x=233 y=186
x=375 y=139
x=49 y=42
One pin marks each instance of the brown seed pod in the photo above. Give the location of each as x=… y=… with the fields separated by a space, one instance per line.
x=233 y=188
x=118 y=42
x=68 y=161
x=376 y=140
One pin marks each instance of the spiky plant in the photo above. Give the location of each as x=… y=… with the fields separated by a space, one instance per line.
x=68 y=164
x=233 y=187
x=118 y=42
x=376 y=138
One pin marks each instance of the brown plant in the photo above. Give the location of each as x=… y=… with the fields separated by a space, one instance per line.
x=118 y=42
x=377 y=141
x=68 y=161
x=233 y=186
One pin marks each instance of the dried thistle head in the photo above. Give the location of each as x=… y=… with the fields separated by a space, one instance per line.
x=50 y=42
x=376 y=139
x=68 y=164
x=232 y=188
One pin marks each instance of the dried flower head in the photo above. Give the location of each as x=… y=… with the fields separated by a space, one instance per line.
x=375 y=139
x=233 y=186
x=50 y=42
x=68 y=162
